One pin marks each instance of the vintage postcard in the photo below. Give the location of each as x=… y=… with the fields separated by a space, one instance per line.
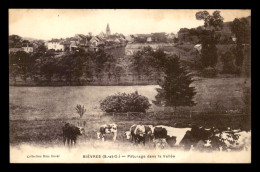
x=129 y=86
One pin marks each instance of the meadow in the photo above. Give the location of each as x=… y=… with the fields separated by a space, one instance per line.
x=37 y=114
x=29 y=103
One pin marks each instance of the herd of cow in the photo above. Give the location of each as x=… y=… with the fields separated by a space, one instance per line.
x=199 y=138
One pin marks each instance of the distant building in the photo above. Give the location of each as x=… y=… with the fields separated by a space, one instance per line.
x=95 y=41
x=82 y=39
x=28 y=49
x=171 y=36
x=117 y=40
x=130 y=38
x=108 y=32
x=102 y=35
x=149 y=39
x=55 y=44
x=131 y=49
x=72 y=45
x=14 y=50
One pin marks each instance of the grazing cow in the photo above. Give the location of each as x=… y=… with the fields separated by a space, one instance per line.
x=160 y=136
x=160 y=143
x=127 y=135
x=234 y=139
x=244 y=140
x=173 y=136
x=149 y=131
x=214 y=139
x=70 y=133
x=138 y=133
x=107 y=129
x=200 y=137
x=159 y=133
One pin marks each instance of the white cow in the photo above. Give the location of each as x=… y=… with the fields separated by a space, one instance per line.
x=128 y=135
x=107 y=129
x=235 y=139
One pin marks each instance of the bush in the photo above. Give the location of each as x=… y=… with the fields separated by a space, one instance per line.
x=123 y=102
x=80 y=110
x=209 y=72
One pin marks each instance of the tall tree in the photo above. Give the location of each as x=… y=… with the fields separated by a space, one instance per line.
x=213 y=21
x=140 y=58
x=24 y=62
x=175 y=88
x=241 y=29
x=99 y=59
x=118 y=71
x=208 y=37
x=46 y=67
x=209 y=55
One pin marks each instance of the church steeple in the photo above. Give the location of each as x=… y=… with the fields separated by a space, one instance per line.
x=108 y=32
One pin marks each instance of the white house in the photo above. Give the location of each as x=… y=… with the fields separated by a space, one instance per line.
x=55 y=44
x=28 y=49
x=149 y=39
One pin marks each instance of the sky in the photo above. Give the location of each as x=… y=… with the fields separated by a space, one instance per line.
x=61 y=23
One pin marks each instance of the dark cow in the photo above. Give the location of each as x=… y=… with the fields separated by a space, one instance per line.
x=198 y=137
x=170 y=135
x=160 y=136
x=70 y=134
x=202 y=138
x=149 y=132
x=107 y=129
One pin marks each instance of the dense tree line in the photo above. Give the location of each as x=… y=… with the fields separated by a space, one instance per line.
x=233 y=58
x=70 y=67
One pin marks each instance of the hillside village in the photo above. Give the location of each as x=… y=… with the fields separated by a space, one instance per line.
x=186 y=44
x=91 y=42
x=132 y=42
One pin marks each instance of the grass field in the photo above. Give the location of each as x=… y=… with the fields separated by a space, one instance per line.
x=49 y=131
x=37 y=114
x=29 y=103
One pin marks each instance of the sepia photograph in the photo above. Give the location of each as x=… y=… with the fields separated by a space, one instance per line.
x=129 y=85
